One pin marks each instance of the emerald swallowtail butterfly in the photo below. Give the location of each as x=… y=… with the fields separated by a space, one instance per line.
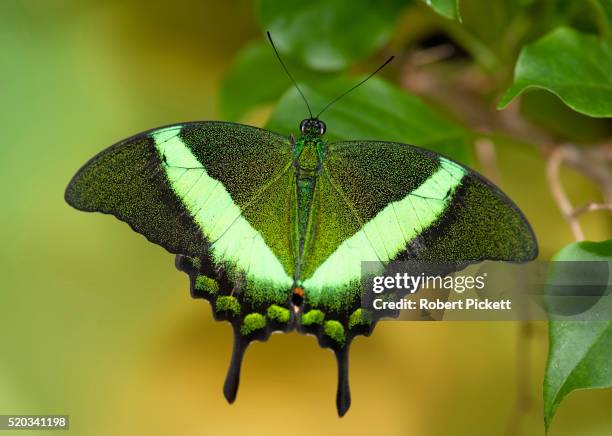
x=273 y=230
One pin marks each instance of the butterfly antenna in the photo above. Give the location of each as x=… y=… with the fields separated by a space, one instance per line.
x=289 y=74
x=356 y=86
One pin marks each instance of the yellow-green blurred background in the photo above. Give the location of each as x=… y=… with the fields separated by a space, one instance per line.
x=95 y=322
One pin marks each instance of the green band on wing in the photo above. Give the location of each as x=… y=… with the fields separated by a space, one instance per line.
x=235 y=244
x=384 y=236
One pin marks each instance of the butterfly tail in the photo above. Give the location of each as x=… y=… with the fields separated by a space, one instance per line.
x=343 y=395
x=232 y=380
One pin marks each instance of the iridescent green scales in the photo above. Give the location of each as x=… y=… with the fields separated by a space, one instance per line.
x=273 y=231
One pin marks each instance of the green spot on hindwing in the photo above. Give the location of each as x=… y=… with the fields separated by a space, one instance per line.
x=278 y=314
x=228 y=304
x=252 y=322
x=359 y=317
x=335 y=330
x=311 y=317
x=206 y=284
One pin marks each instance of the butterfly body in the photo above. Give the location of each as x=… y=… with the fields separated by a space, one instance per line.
x=308 y=156
x=273 y=231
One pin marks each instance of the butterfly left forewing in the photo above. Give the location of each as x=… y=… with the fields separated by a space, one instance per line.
x=185 y=186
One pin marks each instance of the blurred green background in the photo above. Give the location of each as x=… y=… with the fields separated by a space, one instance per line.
x=97 y=323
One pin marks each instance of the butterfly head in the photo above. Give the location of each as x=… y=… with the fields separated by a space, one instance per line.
x=312 y=127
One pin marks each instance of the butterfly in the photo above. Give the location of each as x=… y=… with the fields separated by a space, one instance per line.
x=273 y=230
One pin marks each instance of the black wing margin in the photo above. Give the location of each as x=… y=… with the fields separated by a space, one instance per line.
x=127 y=180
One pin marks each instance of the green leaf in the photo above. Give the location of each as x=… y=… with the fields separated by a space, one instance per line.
x=574 y=66
x=547 y=111
x=446 y=8
x=375 y=110
x=329 y=34
x=254 y=78
x=580 y=353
